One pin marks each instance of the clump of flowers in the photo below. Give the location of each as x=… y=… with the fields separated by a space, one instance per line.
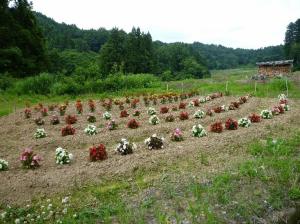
x=154 y=142
x=209 y=112
x=231 y=124
x=79 y=107
x=154 y=120
x=170 y=118
x=196 y=103
x=30 y=160
x=134 y=103
x=182 y=105
x=27 y=113
x=40 y=133
x=234 y=105
x=208 y=98
x=106 y=115
x=111 y=125
x=98 y=153
x=151 y=111
x=92 y=105
x=191 y=104
x=199 y=114
x=282 y=99
x=67 y=130
x=136 y=113
x=91 y=130
x=164 y=110
x=54 y=120
x=183 y=115
x=216 y=127
x=224 y=108
x=244 y=122
x=70 y=119
x=39 y=121
x=62 y=156
x=243 y=99
x=125 y=147
x=218 y=109
x=124 y=113
x=177 y=135
x=276 y=110
x=286 y=107
x=62 y=109
x=202 y=100
x=3 y=165
x=266 y=114
x=198 y=131
x=133 y=124
x=255 y=118
x=91 y=118
x=44 y=111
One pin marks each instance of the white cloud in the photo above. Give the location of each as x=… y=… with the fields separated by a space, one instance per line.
x=233 y=23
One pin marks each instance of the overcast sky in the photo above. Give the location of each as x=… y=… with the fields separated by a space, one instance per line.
x=232 y=23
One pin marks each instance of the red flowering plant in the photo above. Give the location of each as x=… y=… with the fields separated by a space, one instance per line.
x=280 y=108
x=164 y=110
x=136 y=113
x=134 y=103
x=27 y=113
x=67 y=130
x=29 y=159
x=254 y=118
x=235 y=105
x=216 y=127
x=183 y=115
x=275 y=110
x=92 y=105
x=231 y=124
x=133 y=124
x=196 y=103
x=70 y=119
x=218 y=109
x=177 y=135
x=79 y=107
x=182 y=105
x=98 y=153
x=44 y=111
x=124 y=113
x=283 y=101
x=243 y=99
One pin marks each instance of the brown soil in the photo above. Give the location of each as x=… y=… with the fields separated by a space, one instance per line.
x=18 y=185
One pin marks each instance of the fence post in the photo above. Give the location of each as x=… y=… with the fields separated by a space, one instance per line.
x=255 y=87
x=287 y=87
x=167 y=87
x=226 y=86
x=181 y=87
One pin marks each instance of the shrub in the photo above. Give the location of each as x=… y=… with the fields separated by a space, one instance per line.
x=91 y=118
x=92 y=105
x=266 y=114
x=27 y=113
x=216 y=127
x=70 y=119
x=40 y=133
x=3 y=165
x=62 y=156
x=154 y=120
x=30 y=160
x=98 y=153
x=124 y=113
x=254 y=118
x=133 y=124
x=199 y=114
x=106 y=115
x=91 y=130
x=136 y=113
x=198 y=131
x=54 y=120
x=164 y=110
x=67 y=130
x=39 y=121
x=231 y=124
x=182 y=105
x=154 y=142
x=111 y=125
x=44 y=111
x=151 y=111
x=244 y=122
x=170 y=118
x=125 y=147
x=183 y=115
x=177 y=135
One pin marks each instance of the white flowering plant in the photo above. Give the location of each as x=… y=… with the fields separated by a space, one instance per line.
x=151 y=111
x=199 y=114
x=202 y=100
x=198 y=131
x=125 y=147
x=266 y=114
x=40 y=133
x=106 y=115
x=286 y=107
x=62 y=156
x=154 y=142
x=224 y=108
x=191 y=104
x=244 y=122
x=282 y=96
x=91 y=130
x=154 y=120
x=208 y=98
x=3 y=165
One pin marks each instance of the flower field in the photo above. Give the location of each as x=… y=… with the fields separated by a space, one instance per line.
x=223 y=119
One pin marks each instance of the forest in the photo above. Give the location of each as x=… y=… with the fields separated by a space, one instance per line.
x=36 y=47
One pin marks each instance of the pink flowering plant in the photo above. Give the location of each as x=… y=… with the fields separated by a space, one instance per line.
x=29 y=159
x=177 y=135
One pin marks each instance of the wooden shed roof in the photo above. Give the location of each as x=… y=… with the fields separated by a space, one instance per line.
x=282 y=62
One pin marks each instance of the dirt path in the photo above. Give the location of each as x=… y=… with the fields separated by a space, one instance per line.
x=18 y=185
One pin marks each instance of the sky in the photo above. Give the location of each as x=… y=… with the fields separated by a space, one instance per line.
x=232 y=23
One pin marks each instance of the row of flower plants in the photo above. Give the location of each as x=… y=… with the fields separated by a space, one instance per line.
x=107 y=104
x=31 y=160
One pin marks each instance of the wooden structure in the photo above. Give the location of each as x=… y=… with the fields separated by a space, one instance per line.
x=274 y=68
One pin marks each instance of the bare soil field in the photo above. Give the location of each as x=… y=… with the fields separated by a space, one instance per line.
x=16 y=133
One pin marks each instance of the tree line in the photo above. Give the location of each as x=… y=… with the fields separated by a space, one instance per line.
x=292 y=43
